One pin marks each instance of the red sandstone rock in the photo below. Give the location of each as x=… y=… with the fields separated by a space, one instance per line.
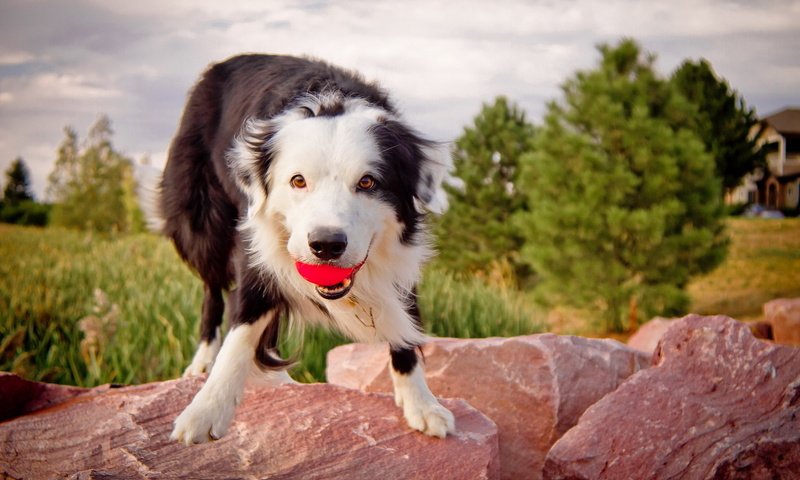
x=534 y=387
x=762 y=330
x=718 y=404
x=297 y=431
x=19 y=396
x=784 y=316
x=646 y=338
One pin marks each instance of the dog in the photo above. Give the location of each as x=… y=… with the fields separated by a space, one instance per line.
x=299 y=183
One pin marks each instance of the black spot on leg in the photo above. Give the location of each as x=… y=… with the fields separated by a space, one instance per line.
x=404 y=360
x=211 y=314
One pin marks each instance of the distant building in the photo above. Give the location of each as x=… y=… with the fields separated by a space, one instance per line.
x=779 y=186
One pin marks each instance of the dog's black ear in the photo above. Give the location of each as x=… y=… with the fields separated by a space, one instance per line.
x=249 y=159
x=425 y=163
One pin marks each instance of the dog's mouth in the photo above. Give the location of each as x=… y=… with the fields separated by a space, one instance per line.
x=335 y=292
x=331 y=282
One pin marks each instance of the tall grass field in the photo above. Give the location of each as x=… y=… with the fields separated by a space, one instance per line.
x=763 y=264
x=86 y=310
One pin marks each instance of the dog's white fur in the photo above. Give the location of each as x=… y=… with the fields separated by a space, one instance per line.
x=420 y=408
x=204 y=357
x=332 y=154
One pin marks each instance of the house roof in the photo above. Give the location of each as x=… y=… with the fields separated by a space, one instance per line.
x=785 y=121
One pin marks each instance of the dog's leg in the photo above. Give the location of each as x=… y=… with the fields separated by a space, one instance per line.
x=262 y=375
x=210 y=335
x=211 y=411
x=420 y=408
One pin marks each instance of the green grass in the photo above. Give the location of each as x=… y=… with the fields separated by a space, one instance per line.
x=763 y=264
x=85 y=310
x=48 y=280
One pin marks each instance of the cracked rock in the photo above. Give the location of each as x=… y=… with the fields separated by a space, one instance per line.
x=534 y=387
x=718 y=403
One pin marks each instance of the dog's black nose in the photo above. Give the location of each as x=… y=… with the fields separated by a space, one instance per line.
x=327 y=243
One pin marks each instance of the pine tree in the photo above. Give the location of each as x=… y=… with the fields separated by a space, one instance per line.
x=624 y=205
x=18 y=205
x=723 y=121
x=18 y=183
x=93 y=188
x=476 y=235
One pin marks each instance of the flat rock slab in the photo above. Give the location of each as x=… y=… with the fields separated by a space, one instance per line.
x=534 y=387
x=295 y=431
x=717 y=404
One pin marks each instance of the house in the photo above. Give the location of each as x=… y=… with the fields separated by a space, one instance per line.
x=779 y=186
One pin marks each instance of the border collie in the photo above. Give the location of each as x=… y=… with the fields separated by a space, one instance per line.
x=298 y=183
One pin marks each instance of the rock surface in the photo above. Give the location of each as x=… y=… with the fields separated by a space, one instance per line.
x=297 y=431
x=646 y=338
x=784 y=316
x=717 y=404
x=19 y=396
x=534 y=387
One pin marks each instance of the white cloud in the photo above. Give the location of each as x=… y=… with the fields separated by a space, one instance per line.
x=15 y=58
x=65 y=86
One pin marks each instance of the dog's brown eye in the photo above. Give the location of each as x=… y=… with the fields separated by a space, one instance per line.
x=298 y=181
x=367 y=182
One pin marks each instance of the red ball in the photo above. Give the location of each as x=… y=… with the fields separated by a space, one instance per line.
x=323 y=275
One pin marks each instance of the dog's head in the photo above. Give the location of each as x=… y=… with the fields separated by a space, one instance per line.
x=337 y=181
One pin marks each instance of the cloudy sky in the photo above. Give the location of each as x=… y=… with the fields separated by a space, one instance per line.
x=64 y=62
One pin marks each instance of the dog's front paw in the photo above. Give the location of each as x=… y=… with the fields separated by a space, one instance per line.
x=420 y=408
x=429 y=417
x=203 y=420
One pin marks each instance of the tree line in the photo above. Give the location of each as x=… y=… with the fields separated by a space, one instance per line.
x=615 y=201
x=92 y=187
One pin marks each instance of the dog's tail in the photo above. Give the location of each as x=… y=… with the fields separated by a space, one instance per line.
x=148 y=191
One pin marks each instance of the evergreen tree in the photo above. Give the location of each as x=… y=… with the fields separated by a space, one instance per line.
x=18 y=184
x=624 y=205
x=93 y=188
x=729 y=129
x=18 y=205
x=476 y=235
